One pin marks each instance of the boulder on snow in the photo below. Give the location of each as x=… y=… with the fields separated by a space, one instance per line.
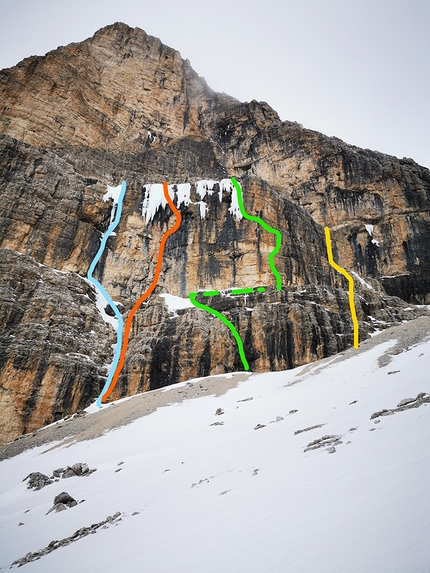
x=62 y=501
x=65 y=498
x=37 y=480
x=78 y=469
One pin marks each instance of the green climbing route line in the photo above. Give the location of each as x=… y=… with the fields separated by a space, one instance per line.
x=242 y=291
x=193 y=297
x=266 y=227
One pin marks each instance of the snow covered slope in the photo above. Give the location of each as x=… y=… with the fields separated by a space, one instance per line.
x=251 y=488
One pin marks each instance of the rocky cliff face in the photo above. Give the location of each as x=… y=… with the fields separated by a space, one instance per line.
x=121 y=106
x=54 y=344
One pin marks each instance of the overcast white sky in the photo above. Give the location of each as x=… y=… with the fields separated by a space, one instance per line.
x=357 y=69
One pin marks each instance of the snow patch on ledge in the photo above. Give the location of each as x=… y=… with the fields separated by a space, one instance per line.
x=369 y=229
x=362 y=281
x=112 y=193
x=175 y=303
x=101 y=304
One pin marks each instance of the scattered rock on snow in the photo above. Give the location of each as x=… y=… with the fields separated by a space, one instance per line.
x=200 y=482
x=405 y=401
x=37 y=480
x=83 y=532
x=78 y=469
x=308 y=429
x=62 y=501
x=323 y=442
x=406 y=404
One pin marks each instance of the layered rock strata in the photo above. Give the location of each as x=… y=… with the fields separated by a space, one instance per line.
x=122 y=106
x=54 y=344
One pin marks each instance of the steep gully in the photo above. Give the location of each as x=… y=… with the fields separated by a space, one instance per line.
x=146 y=294
x=118 y=204
x=122 y=342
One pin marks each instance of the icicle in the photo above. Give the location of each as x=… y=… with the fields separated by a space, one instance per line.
x=203 y=208
x=205 y=186
x=234 y=207
x=153 y=200
x=183 y=195
x=224 y=185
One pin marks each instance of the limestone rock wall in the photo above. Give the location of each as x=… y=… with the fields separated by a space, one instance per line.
x=54 y=344
x=344 y=187
x=122 y=106
x=279 y=329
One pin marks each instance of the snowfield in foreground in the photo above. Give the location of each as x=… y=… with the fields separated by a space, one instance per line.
x=291 y=475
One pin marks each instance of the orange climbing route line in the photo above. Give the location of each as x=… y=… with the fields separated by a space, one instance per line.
x=146 y=294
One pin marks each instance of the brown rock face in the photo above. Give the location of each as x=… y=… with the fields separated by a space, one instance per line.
x=53 y=344
x=105 y=93
x=121 y=106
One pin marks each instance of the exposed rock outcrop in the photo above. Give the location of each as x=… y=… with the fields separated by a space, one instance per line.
x=79 y=534
x=62 y=501
x=54 y=344
x=122 y=106
x=279 y=329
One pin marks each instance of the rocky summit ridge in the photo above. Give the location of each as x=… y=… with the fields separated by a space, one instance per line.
x=121 y=106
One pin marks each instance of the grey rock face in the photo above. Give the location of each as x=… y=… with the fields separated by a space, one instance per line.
x=53 y=344
x=158 y=121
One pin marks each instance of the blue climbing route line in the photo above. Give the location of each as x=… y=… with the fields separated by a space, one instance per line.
x=99 y=287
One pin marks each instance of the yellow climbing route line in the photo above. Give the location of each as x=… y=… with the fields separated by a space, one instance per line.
x=350 y=281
